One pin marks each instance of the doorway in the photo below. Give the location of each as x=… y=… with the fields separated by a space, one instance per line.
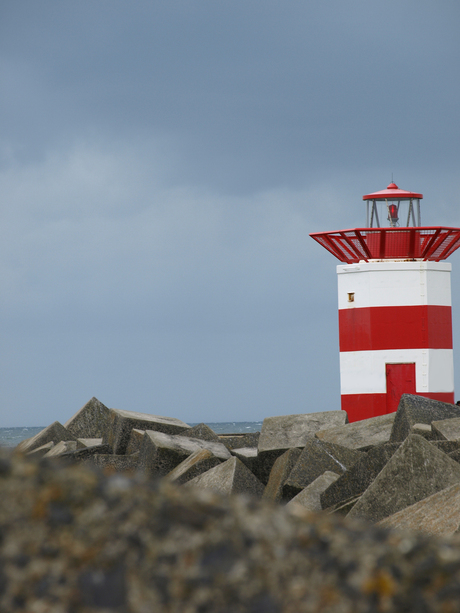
x=400 y=380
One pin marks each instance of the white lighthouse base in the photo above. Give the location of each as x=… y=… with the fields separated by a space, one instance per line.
x=395 y=333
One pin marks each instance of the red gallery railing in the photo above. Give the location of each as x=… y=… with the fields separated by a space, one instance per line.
x=351 y=246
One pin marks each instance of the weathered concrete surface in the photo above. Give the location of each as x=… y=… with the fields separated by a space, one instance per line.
x=196 y=464
x=231 y=477
x=122 y=422
x=358 y=477
x=419 y=410
x=39 y=452
x=111 y=463
x=160 y=453
x=249 y=456
x=55 y=432
x=447 y=429
x=88 y=442
x=280 y=472
x=344 y=507
x=135 y=441
x=414 y=472
x=360 y=435
x=285 y=432
x=309 y=497
x=237 y=441
x=423 y=430
x=438 y=514
x=61 y=448
x=74 y=457
x=316 y=458
x=203 y=432
x=446 y=446
x=90 y=421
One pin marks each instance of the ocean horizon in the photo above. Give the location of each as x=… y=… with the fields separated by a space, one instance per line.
x=10 y=437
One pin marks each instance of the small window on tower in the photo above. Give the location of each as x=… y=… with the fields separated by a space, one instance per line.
x=351 y=296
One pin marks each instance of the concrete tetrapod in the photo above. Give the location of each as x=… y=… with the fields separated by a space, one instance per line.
x=121 y=423
x=231 y=477
x=358 y=477
x=160 y=453
x=360 y=435
x=280 y=472
x=90 y=421
x=438 y=514
x=414 y=472
x=278 y=434
x=447 y=429
x=55 y=433
x=197 y=463
x=316 y=458
x=414 y=410
x=310 y=497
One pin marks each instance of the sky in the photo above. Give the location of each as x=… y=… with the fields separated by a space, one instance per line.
x=162 y=164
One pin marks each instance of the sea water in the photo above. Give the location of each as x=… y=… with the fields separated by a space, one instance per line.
x=10 y=437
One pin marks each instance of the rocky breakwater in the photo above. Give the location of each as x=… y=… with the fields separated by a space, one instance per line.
x=131 y=512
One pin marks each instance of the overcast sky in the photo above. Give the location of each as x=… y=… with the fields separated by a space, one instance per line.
x=161 y=167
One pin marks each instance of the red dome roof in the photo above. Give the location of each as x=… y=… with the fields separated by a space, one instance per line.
x=392 y=192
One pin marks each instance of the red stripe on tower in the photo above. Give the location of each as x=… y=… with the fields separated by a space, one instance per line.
x=398 y=327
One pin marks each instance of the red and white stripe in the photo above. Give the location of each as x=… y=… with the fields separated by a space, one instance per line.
x=394 y=313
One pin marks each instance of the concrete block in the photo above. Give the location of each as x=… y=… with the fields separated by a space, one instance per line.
x=280 y=472
x=39 y=452
x=455 y=455
x=135 y=441
x=203 y=432
x=344 y=507
x=285 y=432
x=360 y=435
x=55 y=432
x=196 y=464
x=358 y=477
x=415 y=471
x=231 y=477
x=447 y=429
x=122 y=422
x=61 y=448
x=446 y=446
x=309 y=497
x=83 y=453
x=419 y=410
x=423 y=430
x=160 y=453
x=90 y=421
x=88 y=442
x=249 y=456
x=316 y=458
x=238 y=441
x=439 y=514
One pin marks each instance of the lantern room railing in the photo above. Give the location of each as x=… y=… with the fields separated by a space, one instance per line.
x=429 y=243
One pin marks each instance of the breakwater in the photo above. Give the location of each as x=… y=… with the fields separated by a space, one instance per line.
x=143 y=519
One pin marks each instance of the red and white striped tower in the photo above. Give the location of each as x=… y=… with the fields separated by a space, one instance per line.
x=395 y=315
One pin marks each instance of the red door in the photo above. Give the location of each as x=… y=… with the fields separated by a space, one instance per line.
x=400 y=380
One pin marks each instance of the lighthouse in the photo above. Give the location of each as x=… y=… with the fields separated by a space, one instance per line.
x=395 y=311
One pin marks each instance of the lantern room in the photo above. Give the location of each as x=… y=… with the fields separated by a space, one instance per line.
x=393 y=231
x=397 y=206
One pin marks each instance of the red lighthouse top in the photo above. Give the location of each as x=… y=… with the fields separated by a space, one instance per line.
x=392 y=192
x=405 y=238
